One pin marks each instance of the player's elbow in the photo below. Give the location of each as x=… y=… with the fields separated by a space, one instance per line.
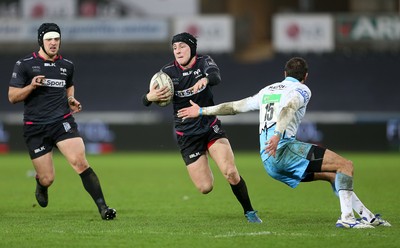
x=13 y=95
x=294 y=104
x=12 y=99
x=214 y=78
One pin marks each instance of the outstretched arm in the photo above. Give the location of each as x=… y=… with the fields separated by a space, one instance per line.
x=226 y=108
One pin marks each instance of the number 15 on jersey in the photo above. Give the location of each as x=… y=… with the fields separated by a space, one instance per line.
x=270 y=102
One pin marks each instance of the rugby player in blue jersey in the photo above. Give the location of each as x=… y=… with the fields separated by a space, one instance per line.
x=282 y=106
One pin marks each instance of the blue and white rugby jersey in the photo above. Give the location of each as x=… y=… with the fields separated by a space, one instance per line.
x=271 y=99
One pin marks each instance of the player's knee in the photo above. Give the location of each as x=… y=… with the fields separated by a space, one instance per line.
x=205 y=188
x=47 y=180
x=347 y=168
x=232 y=175
x=79 y=164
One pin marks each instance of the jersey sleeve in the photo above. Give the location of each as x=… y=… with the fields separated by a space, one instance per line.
x=18 y=76
x=212 y=71
x=303 y=93
x=209 y=64
x=70 y=78
x=234 y=107
x=249 y=104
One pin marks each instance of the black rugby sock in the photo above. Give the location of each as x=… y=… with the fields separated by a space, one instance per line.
x=41 y=187
x=92 y=185
x=240 y=191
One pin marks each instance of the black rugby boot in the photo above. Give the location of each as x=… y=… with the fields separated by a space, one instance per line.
x=41 y=194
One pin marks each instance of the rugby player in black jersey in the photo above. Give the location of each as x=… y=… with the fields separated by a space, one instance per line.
x=43 y=80
x=193 y=76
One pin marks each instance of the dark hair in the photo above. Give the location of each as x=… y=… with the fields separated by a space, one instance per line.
x=297 y=68
x=187 y=38
x=45 y=28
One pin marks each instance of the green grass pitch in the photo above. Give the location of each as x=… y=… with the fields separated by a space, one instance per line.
x=159 y=207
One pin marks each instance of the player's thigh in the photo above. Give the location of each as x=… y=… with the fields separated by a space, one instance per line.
x=333 y=162
x=201 y=174
x=74 y=151
x=221 y=152
x=44 y=166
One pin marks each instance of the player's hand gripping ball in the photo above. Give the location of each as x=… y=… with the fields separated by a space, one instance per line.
x=162 y=79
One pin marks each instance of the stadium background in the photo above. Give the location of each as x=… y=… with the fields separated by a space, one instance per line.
x=352 y=47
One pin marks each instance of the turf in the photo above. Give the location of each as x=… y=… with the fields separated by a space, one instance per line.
x=159 y=207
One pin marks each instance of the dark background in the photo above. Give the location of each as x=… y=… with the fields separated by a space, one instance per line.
x=339 y=82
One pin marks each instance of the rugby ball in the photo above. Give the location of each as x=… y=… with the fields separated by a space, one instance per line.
x=162 y=79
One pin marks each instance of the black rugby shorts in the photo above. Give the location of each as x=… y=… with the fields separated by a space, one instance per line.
x=41 y=138
x=193 y=146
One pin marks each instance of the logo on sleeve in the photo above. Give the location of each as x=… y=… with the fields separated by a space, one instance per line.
x=304 y=93
x=211 y=62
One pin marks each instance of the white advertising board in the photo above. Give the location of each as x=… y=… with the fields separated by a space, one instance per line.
x=48 y=8
x=89 y=30
x=214 y=33
x=303 y=33
x=161 y=8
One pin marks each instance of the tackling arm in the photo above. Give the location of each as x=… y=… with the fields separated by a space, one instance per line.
x=228 y=108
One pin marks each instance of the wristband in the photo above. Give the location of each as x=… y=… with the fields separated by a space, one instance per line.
x=277 y=133
x=200 y=111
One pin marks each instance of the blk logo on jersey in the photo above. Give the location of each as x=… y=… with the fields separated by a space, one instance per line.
x=50 y=64
x=187 y=73
x=57 y=83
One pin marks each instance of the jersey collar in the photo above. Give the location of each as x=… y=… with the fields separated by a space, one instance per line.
x=291 y=79
x=37 y=55
x=182 y=68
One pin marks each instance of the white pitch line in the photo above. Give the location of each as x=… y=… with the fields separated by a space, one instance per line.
x=242 y=234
